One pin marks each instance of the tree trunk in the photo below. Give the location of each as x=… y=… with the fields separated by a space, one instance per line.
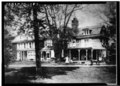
x=36 y=35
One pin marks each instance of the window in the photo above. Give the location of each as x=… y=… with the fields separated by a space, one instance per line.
x=30 y=45
x=24 y=45
x=90 y=31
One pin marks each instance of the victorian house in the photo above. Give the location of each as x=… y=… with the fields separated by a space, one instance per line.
x=86 y=44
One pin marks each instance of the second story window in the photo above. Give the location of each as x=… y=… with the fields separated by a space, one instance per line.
x=24 y=45
x=86 y=31
x=30 y=45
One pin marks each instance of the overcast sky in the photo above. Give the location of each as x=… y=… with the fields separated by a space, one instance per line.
x=89 y=16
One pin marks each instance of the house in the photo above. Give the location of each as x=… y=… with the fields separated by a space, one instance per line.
x=86 y=44
x=25 y=47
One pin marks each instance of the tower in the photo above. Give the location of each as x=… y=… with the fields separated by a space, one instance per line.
x=75 y=23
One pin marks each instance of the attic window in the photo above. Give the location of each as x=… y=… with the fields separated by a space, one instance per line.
x=90 y=31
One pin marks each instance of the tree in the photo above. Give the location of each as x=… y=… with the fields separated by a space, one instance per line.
x=57 y=18
x=37 y=17
x=110 y=13
x=108 y=16
x=9 y=55
x=29 y=13
x=9 y=51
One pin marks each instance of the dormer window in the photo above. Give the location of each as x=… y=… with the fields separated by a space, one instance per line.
x=87 y=31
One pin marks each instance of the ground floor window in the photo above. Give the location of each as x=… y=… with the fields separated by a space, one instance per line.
x=22 y=55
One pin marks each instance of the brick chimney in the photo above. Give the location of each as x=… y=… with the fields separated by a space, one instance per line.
x=75 y=23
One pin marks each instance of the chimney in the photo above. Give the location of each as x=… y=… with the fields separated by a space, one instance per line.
x=75 y=23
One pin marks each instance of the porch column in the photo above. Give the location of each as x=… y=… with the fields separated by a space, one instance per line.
x=17 y=46
x=32 y=45
x=70 y=54
x=86 y=54
x=28 y=45
x=22 y=45
x=18 y=55
x=41 y=56
x=62 y=52
x=49 y=54
x=79 y=54
x=91 y=54
x=21 y=55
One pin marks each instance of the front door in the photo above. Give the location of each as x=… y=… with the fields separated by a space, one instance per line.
x=74 y=54
x=82 y=54
x=24 y=55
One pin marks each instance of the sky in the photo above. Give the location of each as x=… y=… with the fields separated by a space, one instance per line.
x=88 y=16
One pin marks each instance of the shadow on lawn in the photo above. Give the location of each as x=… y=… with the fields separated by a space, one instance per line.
x=24 y=75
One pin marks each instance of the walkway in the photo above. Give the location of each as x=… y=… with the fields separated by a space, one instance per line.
x=61 y=64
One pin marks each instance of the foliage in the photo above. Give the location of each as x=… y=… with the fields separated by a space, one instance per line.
x=110 y=30
x=9 y=49
x=41 y=20
x=57 y=19
x=22 y=17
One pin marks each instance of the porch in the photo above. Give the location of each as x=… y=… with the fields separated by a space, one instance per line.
x=87 y=55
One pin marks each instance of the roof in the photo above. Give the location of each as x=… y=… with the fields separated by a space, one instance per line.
x=96 y=45
x=95 y=30
x=22 y=38
x=88 y=36
x=25 y=38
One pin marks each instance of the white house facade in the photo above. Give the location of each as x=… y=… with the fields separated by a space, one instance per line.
x=25 y=47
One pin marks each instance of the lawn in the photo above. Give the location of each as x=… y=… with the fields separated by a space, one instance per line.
x=62 y=75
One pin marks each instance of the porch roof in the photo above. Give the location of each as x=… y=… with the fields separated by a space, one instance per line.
x=98 y=48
